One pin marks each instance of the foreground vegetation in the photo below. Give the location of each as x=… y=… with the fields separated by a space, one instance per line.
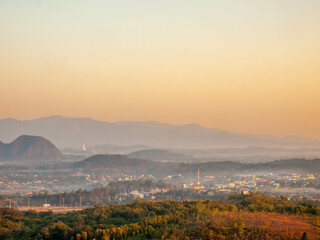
x=241 y=217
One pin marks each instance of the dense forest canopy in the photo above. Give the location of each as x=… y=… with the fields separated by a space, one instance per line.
x=241 y=217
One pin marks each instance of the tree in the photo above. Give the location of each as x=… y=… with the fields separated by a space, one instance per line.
x=59 y=230
x=149 y=231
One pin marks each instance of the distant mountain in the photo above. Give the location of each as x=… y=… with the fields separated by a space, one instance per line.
x=249 y=154
x=29 y=148
x=124 y=164
x=118 y=163
x=159 y=155
x=278 y=166
x=74 y=132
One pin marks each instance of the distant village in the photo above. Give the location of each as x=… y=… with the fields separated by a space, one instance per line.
x=28 y=184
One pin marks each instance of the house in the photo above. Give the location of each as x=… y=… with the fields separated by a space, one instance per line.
x=136 y=194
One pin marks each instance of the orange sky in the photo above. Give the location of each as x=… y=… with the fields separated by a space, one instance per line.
x=250 y=67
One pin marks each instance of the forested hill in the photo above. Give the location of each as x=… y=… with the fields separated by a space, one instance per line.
x=242 y=217
x=121 y=163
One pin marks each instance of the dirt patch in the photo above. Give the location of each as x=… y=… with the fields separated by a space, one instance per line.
x=296 y=224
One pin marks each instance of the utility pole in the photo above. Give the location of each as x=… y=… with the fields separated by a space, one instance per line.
x=63 y=202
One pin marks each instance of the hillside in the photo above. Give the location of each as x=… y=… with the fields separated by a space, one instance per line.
x=121 y=163
x=125 y=164
x=74 y=132
x=250 y=217
x=29 y=148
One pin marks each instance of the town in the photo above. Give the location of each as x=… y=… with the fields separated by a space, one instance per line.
x=38 y=190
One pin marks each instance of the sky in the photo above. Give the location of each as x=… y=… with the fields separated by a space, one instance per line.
x=241 y=66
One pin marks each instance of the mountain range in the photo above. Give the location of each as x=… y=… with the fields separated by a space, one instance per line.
x=74 y=132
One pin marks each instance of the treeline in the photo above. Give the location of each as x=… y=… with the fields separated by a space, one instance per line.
x=157 y=220
x=110 y=194
x=256 y=202
x=114 y=193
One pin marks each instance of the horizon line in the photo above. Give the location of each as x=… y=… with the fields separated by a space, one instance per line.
x=165 y=123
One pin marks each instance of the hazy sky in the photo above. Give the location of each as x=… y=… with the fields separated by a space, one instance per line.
x=243 y=66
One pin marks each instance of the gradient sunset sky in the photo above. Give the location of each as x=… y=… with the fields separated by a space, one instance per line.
x=241 y=66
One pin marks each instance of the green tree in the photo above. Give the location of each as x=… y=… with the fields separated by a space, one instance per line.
x=149 y=231
x=59 y=230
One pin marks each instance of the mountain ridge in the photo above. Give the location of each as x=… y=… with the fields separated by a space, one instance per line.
x=126 y=164
x=74 y=132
